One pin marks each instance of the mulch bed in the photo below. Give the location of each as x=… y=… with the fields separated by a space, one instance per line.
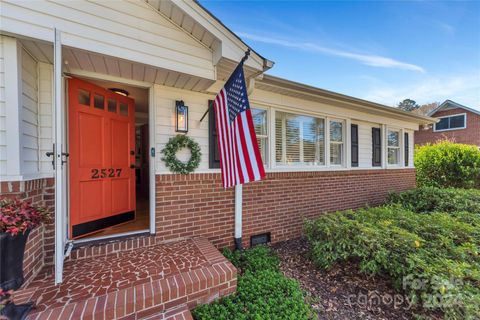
x=342 y=292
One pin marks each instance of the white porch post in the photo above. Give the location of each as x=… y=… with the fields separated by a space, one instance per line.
x=59 y=212
x=238 y=216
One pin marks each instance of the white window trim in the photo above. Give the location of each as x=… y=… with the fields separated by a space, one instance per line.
x=299 y=167
x=400 y=147
x=451 y=129
x=343 y=143
x=267 y=136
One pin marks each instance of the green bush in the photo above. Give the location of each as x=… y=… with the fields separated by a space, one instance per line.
x=446 y=164
x=429 y=199
x=263 y=292
x=433 y=258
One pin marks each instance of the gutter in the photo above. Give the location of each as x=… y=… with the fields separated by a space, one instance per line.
x=317 y=92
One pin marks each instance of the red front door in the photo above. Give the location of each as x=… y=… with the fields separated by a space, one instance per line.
x=102 y=158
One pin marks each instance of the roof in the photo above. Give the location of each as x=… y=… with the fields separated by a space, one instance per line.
x=450 y=103
x=302 y=90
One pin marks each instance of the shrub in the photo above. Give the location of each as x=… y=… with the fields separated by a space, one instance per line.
x=429 y=199
x=448 y=164
x=263 y=292
x=434 y=258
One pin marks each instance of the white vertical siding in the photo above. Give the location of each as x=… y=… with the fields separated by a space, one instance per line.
x=45 y=117
x=3 y=126
x=29 y=115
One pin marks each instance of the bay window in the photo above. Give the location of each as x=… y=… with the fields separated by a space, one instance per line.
x=393 y=144
x=299 y=140
x=260 y=124
x=336 y=142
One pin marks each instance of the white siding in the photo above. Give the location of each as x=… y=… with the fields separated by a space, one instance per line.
x=29 y=116
x=197 y=102
x=3 y=126
x=165 y=122
x=129 y=30
x=45 y=116
x=365 y=143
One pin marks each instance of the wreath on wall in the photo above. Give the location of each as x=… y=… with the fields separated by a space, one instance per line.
x=170 y=154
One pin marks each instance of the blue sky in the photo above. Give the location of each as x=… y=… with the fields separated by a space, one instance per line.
x=380 y=51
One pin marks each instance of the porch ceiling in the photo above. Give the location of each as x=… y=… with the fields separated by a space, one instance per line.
x=79 y=60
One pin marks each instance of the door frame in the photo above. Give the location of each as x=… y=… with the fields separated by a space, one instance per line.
x=86 y=75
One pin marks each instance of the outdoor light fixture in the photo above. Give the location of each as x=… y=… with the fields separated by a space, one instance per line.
x=119 y=91
x=181 y=116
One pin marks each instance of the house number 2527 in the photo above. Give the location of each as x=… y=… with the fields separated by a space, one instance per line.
x=106 y=173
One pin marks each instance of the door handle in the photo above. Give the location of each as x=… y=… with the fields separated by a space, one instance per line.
x=51 y=154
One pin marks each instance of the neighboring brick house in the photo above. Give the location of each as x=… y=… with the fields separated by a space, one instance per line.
x=102 y=81
x=456 y=123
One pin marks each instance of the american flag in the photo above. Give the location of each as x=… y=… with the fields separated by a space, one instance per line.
x=240 y=157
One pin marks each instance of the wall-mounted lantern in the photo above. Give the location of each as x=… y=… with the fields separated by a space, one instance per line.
x=181 y=117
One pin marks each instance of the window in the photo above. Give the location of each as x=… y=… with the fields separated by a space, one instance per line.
x=299 y=140
x=457 y=121
x=393 y=144
x=336 y=142
x=260 y=124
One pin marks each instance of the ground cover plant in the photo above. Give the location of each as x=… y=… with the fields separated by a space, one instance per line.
x=447 y=164
x=433 y=259
x=263 y=292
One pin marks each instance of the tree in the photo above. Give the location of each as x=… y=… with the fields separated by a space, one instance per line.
x=426 y=108
x=408 y=105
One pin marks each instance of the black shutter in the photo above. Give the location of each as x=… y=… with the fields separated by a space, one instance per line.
x=376 y=147
x=213 y=154
x=354 y=144
x=407 y=148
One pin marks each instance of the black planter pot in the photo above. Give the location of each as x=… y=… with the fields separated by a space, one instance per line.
x=12 y=250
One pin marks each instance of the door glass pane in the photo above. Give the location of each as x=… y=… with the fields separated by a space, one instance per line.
x=112 y=105
x=98 y=101
x=83 y=97
x=124 y=108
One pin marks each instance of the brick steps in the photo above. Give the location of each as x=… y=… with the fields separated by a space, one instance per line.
x=178 y=313
x=166 y=296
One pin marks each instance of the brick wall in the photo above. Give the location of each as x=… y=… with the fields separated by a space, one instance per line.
x=197 y=205
x=40 y=245
x=469 y=135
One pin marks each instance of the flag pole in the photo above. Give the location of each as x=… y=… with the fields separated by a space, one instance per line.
x=245 y=57
x=239 y=198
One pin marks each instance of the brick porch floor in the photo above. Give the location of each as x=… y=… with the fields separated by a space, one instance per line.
x=159 y=281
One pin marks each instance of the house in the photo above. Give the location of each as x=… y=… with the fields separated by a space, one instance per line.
x=88 y=98
x=457 y=123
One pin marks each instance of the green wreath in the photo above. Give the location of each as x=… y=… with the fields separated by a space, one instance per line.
x=170 y=154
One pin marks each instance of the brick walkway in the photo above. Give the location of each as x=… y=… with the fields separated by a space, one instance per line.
x=134 y=283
